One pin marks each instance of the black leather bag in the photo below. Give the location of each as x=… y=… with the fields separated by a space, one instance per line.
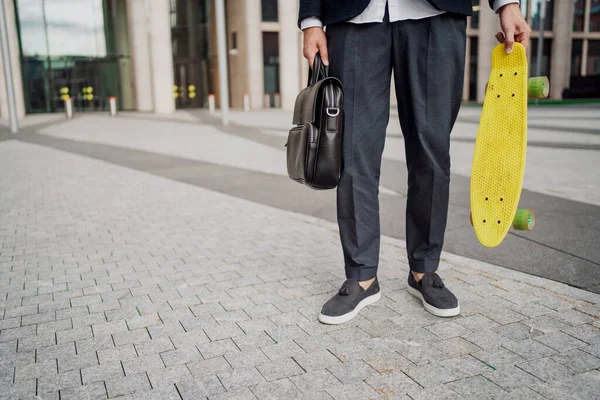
x=314 y=146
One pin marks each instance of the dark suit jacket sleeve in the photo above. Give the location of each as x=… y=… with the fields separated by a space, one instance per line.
x=310 y=8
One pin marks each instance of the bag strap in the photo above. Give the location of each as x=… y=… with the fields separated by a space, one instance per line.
x=317 y=72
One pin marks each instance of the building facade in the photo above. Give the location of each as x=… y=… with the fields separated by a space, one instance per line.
x=161 y=55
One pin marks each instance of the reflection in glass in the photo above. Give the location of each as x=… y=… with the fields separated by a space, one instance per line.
x=578 y=15
x=546 y=51
x=68 y=50
x=576 y=52
x=593 y=58
x=62 y=27
x=595 y=16
x=536 y=14
x=269 y=11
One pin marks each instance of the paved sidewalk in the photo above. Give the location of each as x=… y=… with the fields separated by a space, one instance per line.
x=114 y=282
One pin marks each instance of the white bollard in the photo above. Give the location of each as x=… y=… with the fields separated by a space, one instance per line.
x=112 y=106
x=69 y=108
x=267 y=103
x=246 y=103
x=211 y=103
x=277 y=100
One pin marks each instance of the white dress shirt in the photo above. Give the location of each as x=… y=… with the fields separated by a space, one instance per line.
x=399 y=10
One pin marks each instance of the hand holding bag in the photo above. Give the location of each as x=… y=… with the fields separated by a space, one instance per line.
x=314 y=146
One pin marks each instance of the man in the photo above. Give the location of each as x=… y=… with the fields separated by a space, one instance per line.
x=422 y=42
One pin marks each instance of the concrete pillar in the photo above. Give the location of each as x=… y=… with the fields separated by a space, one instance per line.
x=254 y=52
x=289 y=53
x=140 y=55
x=560 y=62
x=122 y=44
x=15 y=58
x=161 y=56
x=489 y=24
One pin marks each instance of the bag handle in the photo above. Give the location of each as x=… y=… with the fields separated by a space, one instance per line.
x=317 y=72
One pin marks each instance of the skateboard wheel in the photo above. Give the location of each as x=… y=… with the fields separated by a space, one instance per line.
x=524 y=220
x=538 y=87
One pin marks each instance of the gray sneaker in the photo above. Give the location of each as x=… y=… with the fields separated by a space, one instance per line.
x=349 y=300
x=434 y=295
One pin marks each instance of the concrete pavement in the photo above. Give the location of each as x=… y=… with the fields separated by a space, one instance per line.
x=122 y=275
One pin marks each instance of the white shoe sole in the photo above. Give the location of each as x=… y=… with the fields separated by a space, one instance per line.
x=329 y=320
x=438 y=312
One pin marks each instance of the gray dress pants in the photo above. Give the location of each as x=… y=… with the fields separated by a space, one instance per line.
x=427 y=58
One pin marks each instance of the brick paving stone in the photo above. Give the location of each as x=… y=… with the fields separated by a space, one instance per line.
x=110 y=370
x=181 y=355
x=393 y=386
x=352 y=372
x=465 y=366
x=240 y=378
x=577 y=360
x=210 y=366
x=280 y=389
x=94 y=391
x=151 y=362
x=510 y=378
x=126 y=385
x=456 y=346
x=435 y=393
x=154 y=346
x=282 y=350
x=388 y=363
x=477 y=387
x=160 y=393
x=74 y=298
x=560 y=341
x=356 y=391
x=192 y=390
x=496 y=357
x=217 y=348
x=529 y=349
x=36 y=370
x=279 y=369
x=169 y=376
x=581 y=386
x=430 y=375
x=240 y=394
x=546 y=369
x=588 y=333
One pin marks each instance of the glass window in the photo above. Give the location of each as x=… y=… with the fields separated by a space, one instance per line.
x=545 y=57
x=271 y=63
x=473 y=69
x=475 y=16
x=578 y=15
x=536 y=14
x=269 y=10
x=593 y=59
x=595 y=16
x=62 y=27
x=524 y=4
x=576 y=52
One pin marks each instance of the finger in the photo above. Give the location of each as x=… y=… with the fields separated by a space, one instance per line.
x=324 y=53
x=524 y=38
x=311 y=57
x=500 y=37
x=509 y=40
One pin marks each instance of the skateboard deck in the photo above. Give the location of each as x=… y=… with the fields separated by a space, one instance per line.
x=500 y=147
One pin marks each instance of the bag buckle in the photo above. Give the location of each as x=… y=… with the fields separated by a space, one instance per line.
x=332 y=111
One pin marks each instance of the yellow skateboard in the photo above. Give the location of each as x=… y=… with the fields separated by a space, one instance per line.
x=500 y=147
